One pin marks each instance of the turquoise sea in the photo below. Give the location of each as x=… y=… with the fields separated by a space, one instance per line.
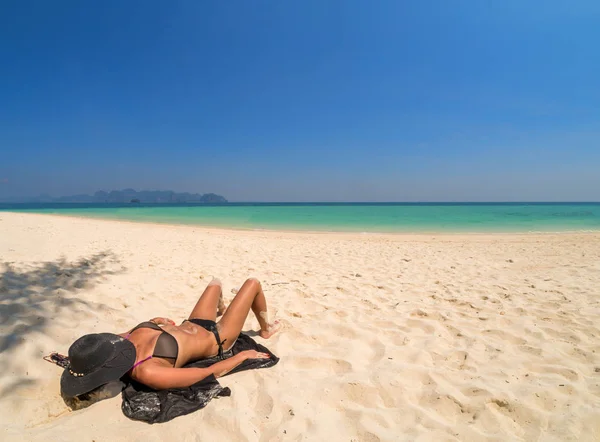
x=357 y=217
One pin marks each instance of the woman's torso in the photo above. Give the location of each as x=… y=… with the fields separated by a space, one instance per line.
x=193 y=343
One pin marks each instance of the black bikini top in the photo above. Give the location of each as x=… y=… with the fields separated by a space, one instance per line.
x=166 y=345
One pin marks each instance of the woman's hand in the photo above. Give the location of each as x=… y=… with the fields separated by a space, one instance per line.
x=253 y=354
x=162 y=321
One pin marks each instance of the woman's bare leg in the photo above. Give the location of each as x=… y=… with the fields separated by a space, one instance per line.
x=250 y=296
x=210 y=304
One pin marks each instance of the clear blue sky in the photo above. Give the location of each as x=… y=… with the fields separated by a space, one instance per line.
x=304 y=100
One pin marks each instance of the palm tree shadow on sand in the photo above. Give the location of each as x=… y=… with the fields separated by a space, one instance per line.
x=32 y=295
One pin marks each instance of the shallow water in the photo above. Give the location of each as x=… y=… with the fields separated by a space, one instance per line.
x=358 y=217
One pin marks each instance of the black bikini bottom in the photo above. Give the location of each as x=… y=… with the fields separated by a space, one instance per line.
x=211 y=326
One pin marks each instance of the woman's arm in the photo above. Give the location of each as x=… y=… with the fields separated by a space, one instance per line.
x=159 y=377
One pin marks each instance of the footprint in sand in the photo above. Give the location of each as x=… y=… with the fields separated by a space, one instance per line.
x=564 y=372
x=264 y=401
x=563 y=336
x=343 y=331
x=505 y=336
x=384 y=325
x=378 y=350
x=514 y=413
x=445 y=407
x=530 y=350
x=399 y=339
x=331 y=366
x=476 y=392
x=341 y=314
x=544 y=400
x=359 y=393
x=362 y=433
x=458 y=360
x=426 y=328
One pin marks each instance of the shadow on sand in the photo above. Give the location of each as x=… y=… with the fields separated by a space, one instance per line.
x=31 y=296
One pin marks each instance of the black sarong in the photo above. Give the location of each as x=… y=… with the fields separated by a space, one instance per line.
x=154 y=406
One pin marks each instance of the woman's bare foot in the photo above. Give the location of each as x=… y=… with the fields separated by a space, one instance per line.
x=271 y=330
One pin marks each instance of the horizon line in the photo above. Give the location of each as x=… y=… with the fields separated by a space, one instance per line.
x=323 y=202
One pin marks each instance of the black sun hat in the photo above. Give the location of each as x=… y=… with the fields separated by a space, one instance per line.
x=95 y=360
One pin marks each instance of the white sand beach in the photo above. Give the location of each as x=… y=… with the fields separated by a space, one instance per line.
x=386 y=337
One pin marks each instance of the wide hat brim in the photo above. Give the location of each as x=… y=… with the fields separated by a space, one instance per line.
x=113 y=369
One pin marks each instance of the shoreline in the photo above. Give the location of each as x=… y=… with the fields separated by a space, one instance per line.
x=409 y=234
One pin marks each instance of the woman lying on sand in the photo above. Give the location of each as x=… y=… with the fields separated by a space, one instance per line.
x=154 y=352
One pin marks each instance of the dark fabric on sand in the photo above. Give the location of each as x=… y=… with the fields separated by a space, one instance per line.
x=155 y=406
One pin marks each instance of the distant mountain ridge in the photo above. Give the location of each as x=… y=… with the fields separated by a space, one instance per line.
x=127 y=196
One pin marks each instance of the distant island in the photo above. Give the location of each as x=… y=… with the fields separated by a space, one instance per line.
x=127 y=196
